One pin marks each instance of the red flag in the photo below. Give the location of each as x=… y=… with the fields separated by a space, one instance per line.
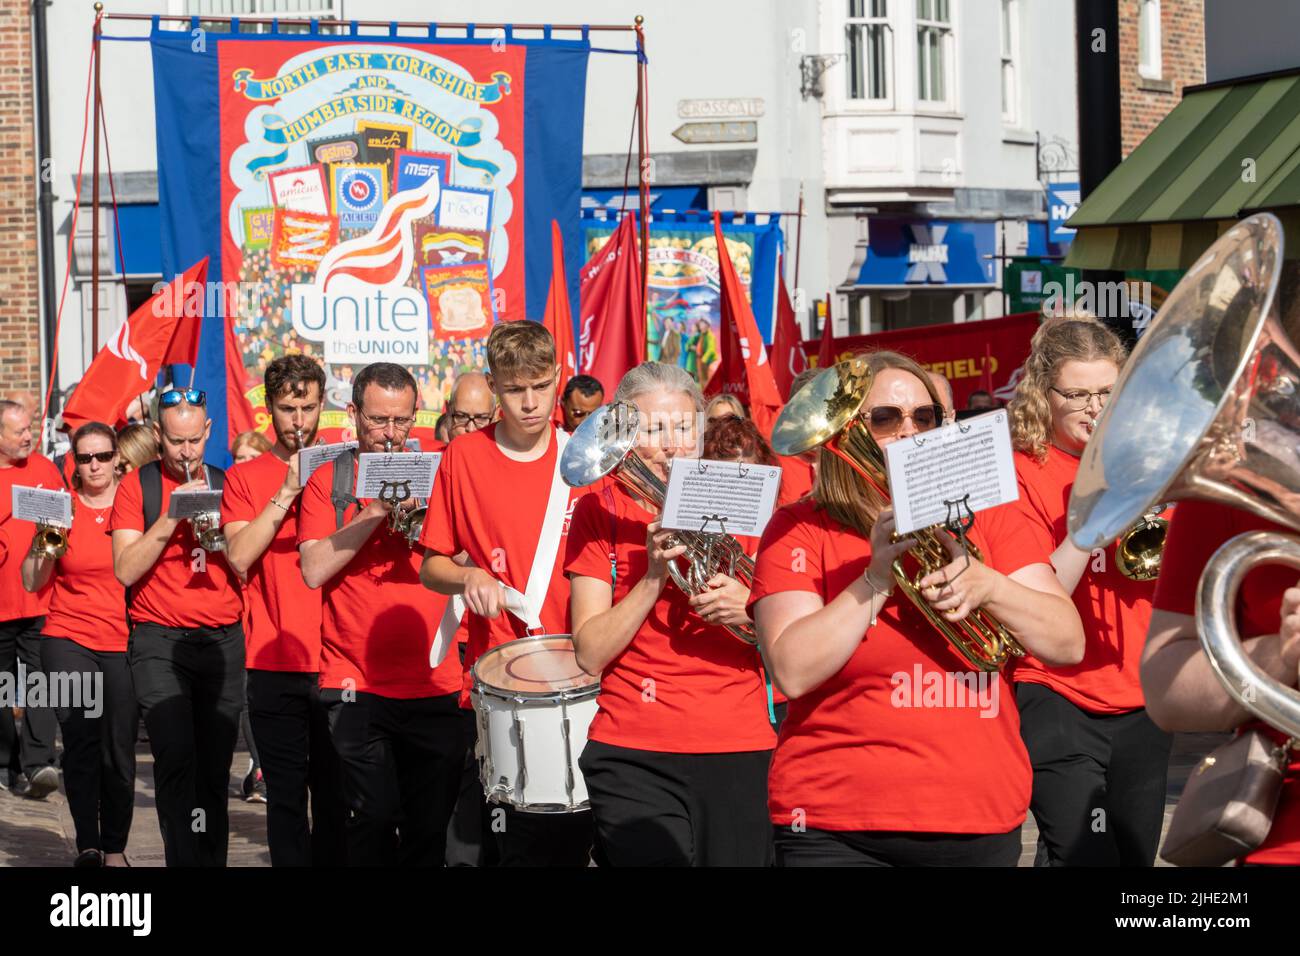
x=559 y=321
x=128 y=364
x=788 y=358
x=826 y=354
x=613 y=313
x=743 y=369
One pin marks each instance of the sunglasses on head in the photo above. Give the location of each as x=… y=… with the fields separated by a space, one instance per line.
x=103 y=457
x=887 y=419
x=190 y=396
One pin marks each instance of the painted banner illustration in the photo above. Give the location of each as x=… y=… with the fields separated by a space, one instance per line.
x=368 y=198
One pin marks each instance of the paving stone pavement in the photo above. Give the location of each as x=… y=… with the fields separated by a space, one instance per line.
x=40 y=832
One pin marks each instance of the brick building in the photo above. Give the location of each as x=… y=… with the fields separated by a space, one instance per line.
x=20 y=334
x=1161 y=50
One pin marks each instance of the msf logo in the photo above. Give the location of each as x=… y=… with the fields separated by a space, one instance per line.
x=927 y=255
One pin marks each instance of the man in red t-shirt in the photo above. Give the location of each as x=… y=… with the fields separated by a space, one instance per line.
x=499 y=499
x=282 y=622
x=29 y=762
x=393 y=718
x=186 y=647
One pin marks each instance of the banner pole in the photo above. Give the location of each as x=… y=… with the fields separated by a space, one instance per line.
x=643 y=148
x=798 y=239
x=94 y=189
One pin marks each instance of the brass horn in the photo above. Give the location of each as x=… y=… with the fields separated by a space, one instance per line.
x=826 y=412
x=1208 y=407
x=206 y=526
x=407 y=522
x=50 y=542
x=603 y=445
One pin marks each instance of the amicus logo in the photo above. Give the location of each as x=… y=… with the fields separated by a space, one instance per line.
x=119 y=344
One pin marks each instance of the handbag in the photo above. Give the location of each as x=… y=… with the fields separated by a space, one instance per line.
x=1227 y=806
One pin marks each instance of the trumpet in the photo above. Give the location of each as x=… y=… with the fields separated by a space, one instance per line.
x=603 y=445
x=407 y=522
x=825 y=412
x=206 y=526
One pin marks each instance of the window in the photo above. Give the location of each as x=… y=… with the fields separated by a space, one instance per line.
x=933 y=33
x=1010 y=38
x=1149 y=39
x=296 y=12
x=867 y=38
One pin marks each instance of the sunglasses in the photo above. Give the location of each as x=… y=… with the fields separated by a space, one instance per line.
x=103 y=457
x=190 y=396
x=888 y=419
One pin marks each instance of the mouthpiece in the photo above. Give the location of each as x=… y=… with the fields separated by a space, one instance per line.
x=297 y=434
x=188 y=477
x=388 y=446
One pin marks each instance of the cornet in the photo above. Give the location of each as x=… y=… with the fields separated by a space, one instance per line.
x=603 y=445
x=407 y=522
x=206 y=526
x=51 y=541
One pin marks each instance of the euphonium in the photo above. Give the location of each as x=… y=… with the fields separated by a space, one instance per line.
x=603 y=445
x=826 y=412
x=206 y=526
x=1207 y=408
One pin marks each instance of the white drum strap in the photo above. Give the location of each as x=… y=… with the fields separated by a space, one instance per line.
x=528 y=606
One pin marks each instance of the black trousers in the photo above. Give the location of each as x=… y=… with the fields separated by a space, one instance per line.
x=298 y=763
x=541 y=839
x=401 y=765
x=20 y=640
x=665 y=809
x=894 y=848
x=98 y=743
x=470 y=841
x=1099 y=781
x=190 y=684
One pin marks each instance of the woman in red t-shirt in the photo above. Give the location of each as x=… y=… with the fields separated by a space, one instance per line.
x=677 y=754
x=894 y=753
x=1096 y=754
x=85 y=636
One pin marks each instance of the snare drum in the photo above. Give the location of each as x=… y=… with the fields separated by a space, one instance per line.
x=533 y=705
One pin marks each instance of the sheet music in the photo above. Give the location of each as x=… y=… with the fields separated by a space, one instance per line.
x=968 y=458
x=312 y=457
x=720 y=495
x=410 y=472
x=187 y=504
x=42 y=506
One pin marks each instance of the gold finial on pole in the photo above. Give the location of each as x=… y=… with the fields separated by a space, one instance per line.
x=99 y=7
x=639 y=20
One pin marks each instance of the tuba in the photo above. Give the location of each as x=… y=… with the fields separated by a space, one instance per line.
x=825 y=412
x=603 y=445
x=206 y=526
x=1208 y=407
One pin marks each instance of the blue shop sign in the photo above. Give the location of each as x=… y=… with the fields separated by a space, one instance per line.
x=937 y=252
x=1062 y=201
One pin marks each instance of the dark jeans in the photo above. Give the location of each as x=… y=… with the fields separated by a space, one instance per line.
x=190 y=684
x=98 y=743
x=297 y=759
x=900 y=848
x=401 y=766
x=20 y=640
x=1099 y=781
x=666 y=809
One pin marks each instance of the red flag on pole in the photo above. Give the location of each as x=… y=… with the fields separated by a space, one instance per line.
x=164 y=329
x=743 y=369
x=613 y=313
x=788 y=358
x=826 y=354
x=559 y=320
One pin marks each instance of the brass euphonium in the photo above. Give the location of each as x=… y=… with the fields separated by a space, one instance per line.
x=1208 y=407
x=206 y=526
x=603 y=445
x=826 y=412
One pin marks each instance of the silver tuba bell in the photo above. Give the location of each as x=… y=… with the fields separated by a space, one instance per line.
x=603 y=445
x=1208 y=407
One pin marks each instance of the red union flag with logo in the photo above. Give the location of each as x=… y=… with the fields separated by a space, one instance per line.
x=613 y=314
x=163 y=331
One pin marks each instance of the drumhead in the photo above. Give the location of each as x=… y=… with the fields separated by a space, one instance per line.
x=534 y=667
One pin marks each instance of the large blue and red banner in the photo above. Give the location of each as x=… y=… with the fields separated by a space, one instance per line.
x=364 y=198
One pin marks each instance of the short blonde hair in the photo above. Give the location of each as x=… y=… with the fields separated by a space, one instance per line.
x=724 y=399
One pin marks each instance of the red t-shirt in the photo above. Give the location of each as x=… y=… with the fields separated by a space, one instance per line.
x=1115 y=610
x=87 y=604
x=34 y=471
x=1195 y=533
x=680 y=685
x=796 y=479
x=187 y=586
x=492 y=507
x=894 y=741
x=379 y=621
x=281 y=614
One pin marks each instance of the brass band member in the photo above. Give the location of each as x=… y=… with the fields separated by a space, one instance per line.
x=1093 y=747
x=893 y=753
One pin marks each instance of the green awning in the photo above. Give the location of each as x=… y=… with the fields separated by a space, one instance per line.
x=1223 y=152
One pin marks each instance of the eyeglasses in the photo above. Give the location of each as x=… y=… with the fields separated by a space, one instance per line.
x=190 y=396
x=888 y=419
x=1077 y=399
x=103 y=457
x=400 y=422
x=465 y=418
